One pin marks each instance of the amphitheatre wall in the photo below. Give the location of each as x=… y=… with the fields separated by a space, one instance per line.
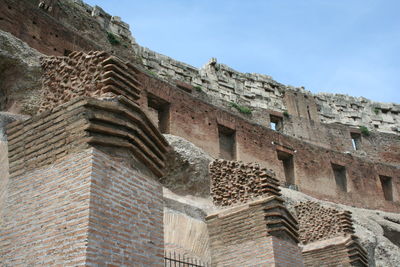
x=55 y=28
x=303 y=147
x=314 y=168
x=262 y=92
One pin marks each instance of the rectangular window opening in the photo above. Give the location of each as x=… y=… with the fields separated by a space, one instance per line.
x=387 y=187
x=340 y=177
x=159 y=113
x=356 y=140
x=288 y=166
x=276 y=123
x=227 y=143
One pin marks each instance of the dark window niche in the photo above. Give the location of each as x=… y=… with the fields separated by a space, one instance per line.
x=387 y=187
x=159 y=111
x=288 y=166
x=356 y=140
x=340 y=177
x=227 y=143
x=276 y=123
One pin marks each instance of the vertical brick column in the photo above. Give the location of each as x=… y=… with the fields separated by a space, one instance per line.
x=83 y=187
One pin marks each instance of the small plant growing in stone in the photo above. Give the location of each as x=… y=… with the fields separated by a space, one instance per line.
x=286 y=114
x=198 y=88
x=241 y=109
x=152 y=73
x=113 y=39
x=376 y=110
x=364 y=130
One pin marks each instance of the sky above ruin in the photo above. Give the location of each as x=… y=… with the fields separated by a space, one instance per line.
x=343 y=46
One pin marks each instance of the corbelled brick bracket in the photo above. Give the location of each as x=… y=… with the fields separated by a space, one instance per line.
x=83 y=187
x=259 y=233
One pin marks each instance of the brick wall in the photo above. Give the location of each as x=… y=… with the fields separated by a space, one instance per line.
x=198 y=122
x=88 y=208
x=327 y=235
x=126 y=215
x=45 y=219
x=339 y=251
x=258 y=233
x=83 y=187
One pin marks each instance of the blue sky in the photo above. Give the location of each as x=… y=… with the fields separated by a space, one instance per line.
x=337 y=46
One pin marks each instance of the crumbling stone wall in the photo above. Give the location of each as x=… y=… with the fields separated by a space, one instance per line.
x=236 y=182
x=320 y=223
x=93 y=74
x=198 y=122
x=54 y=27
x=261 y=91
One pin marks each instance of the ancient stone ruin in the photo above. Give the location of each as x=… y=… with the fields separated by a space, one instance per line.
x=114 y=155
x=328 y=235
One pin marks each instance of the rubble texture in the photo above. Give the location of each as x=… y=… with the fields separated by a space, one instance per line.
x=236 y=182
x=20 y=74
x=319 y=223
x=93 y=74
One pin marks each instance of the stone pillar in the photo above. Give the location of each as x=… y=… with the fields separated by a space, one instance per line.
x=249 y=232
x=83 y=187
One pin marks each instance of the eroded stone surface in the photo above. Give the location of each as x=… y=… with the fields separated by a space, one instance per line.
x=187 y=168
x=20 y=74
